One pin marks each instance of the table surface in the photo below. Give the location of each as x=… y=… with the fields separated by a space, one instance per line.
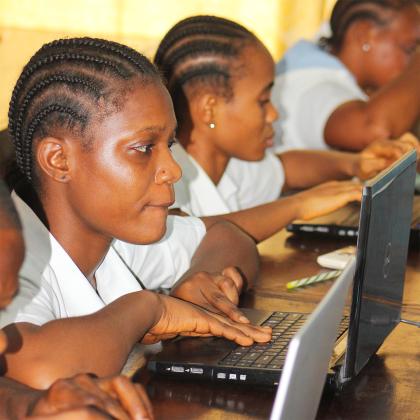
x=387 y=388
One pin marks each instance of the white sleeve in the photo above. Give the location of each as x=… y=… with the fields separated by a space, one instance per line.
x=34 y=303
x=316 y=106
x=259 y=182
x=161 y=264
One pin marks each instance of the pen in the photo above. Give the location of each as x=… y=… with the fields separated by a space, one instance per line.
x=327 y=275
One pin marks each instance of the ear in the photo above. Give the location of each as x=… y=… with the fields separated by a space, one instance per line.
x=203 y=108
x=52 y=154
x=361 y=32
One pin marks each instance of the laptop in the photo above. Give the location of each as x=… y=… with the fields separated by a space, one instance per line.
x=300 y=390
x=376 y=303
x=344 y=223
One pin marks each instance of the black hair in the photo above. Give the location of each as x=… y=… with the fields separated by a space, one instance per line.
x=65 y=86
x=199 y=50
x=346 y=12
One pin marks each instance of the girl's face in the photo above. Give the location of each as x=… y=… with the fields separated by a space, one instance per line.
x=122 y=188
x=392 y=46
x=244 y=124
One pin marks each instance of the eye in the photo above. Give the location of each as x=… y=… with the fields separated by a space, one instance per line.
x=144 y=148
x=172 y=142
x=264 y=102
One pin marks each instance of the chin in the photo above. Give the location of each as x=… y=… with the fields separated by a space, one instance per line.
x=252 y=156
x=144 y=233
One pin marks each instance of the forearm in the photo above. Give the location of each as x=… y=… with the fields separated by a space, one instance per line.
x=225 y=245
x=389 y=113
x=263 y=221
x=16 y=400
x=97 y=343
x=307 y=168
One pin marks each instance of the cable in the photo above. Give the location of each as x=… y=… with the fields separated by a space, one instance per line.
x=407 y=321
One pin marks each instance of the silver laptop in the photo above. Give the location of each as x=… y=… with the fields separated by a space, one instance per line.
x=309 y=353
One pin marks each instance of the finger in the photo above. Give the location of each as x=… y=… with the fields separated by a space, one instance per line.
x=235 y=275
x=135 y=402
x=372 y=167
x=107 y=401
x=242 y=334
x=229 y=289
x=82 y=413
x=145 y=398
x=224 y=305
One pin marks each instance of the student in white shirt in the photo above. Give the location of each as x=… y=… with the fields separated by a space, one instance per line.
x=220 y=77
x=92 y=126
x=80 y=397
x=359 y=85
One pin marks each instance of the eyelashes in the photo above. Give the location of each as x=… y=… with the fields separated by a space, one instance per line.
x=147 y=148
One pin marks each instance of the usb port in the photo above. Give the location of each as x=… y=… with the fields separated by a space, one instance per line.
x=198 y=371
x=178 y=369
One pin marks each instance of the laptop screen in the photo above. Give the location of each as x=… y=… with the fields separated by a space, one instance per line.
x=381 y=258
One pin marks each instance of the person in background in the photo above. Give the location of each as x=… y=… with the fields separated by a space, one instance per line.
x=220 y=77
x=359 y=85
x=81 y=397
x=92 y=125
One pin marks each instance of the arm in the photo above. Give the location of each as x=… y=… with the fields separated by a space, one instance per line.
x=65 y=347
x=322 y=166
x=225 y=258
x=263 y=221
x=387 y=114
x=100 y=343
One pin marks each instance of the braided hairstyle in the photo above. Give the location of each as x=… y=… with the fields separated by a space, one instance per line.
x=201 y=51
x=68 y=84
x=346 y=12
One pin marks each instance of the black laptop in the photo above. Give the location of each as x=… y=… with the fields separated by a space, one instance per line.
x=344 y=223
x=377 y=296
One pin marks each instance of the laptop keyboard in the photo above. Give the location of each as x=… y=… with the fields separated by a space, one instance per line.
x=272 y=355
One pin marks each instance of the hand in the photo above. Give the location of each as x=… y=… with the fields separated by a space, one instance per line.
x=182 y=318
x=216 y=292
x=327 y=197
x=381 y=153
x=93 y=398
x=11 y=257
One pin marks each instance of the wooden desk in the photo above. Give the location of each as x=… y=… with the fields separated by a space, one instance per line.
x=388 y=387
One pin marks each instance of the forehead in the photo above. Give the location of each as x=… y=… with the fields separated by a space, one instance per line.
x=406 y=23
x=145 y=105
x=256 y=69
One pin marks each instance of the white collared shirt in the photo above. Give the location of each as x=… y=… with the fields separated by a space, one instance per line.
x=243 y=185
x=310 y=85
x=53 y=287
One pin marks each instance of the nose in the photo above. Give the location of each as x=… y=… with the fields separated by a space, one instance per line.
x=272 y=113
x=168 y=170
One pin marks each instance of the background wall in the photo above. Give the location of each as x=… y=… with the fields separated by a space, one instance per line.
x=27 y=24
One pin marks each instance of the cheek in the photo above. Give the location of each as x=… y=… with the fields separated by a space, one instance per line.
x=388 y=62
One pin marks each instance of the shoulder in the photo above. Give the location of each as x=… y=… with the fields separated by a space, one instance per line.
x=307 y=55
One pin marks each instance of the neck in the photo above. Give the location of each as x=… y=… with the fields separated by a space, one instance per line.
x=86 y=247
x=213 y=160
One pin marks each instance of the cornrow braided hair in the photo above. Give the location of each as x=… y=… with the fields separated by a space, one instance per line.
x=65 y=85
x=200 y=49
x=346 y=12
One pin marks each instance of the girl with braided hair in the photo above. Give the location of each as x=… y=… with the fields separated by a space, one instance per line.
x=93 y=126
x=358 y=85
x=220 y=77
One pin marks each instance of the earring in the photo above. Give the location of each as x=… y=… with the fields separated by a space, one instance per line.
x=366 y=47
x=212 y=125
